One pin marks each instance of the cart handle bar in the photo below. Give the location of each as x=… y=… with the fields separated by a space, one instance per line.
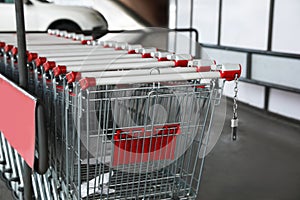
x=178 y=60
x=199 y=65
x=14 y=51
x=224 y=71
x=145 y=53
x=30 y=55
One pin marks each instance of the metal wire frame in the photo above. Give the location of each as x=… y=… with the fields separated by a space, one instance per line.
x=176 y=179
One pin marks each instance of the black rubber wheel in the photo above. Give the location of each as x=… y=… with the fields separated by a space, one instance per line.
x=3 y=178
x=67 y=26
x=15 y=196
x=8 y=185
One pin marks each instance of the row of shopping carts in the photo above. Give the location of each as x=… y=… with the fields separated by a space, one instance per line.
x=124 y=121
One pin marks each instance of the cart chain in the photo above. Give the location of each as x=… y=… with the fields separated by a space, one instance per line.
x=235 y=120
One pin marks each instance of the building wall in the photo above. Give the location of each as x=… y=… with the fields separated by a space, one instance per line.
x=244 y=24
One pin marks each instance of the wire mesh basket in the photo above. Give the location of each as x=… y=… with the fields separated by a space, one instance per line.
x=128 y=123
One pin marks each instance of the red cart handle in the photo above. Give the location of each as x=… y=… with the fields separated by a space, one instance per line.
x=49 y=65
x=8 y=47
x=146 y=52
x=201 y=65
x=228 y=71
x=40 y=61
x=73 y=76
x=58 y=70
x=131 y=48
x=2 y=44
x=31 y=56
x=181 y=60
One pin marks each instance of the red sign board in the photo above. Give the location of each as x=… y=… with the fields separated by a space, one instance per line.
x=17 y=119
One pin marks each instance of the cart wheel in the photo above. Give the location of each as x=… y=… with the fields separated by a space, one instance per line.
x=2 y=177
x=67 y=26
x=15 y=196
x=8 y=185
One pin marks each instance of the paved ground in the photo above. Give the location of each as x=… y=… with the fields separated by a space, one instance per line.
x=4 y=192
x=264 y=164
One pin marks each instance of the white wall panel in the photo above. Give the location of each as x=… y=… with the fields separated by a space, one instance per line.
x=285 y=103
x=205 y=20
x=245 y=23
x=282 y=71
x=286 y=29
x=248 y=93
x=184 y=14
x=182 y=42
x=172 y=14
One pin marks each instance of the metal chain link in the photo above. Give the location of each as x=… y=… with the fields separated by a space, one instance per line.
x=235 y=120
x=235 y=106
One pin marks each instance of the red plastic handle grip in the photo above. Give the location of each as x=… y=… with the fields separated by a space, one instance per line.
x=60 y=69
x=8 y=47
x=2 y=44
x=14 y=51
x=49 y=65
x=73 y=76
x=31 y=57
x=40 y=61
x=229 y=72
x=87 y=82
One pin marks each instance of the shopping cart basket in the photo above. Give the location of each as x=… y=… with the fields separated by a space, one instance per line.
x=134 y=132
x=134 y=137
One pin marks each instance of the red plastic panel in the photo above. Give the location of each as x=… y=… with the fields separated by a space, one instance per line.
x=17 y=119
x=136 y=145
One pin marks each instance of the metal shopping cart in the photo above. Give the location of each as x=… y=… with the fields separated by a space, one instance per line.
x=135 y=137
x=136 y=131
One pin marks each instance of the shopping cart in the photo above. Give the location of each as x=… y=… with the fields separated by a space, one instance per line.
x=12 y=163
x=101 y=168
x=134 y=132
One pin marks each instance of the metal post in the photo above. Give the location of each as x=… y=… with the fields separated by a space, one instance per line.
x=220 y=21
x=249 y=66
x=21 y=43
x=271 y=21
x=28 y=192
x=23 y=81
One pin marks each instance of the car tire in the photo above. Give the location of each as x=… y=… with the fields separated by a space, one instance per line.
x=67 y=26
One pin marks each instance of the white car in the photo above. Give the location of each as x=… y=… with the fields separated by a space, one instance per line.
x=41 y=15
